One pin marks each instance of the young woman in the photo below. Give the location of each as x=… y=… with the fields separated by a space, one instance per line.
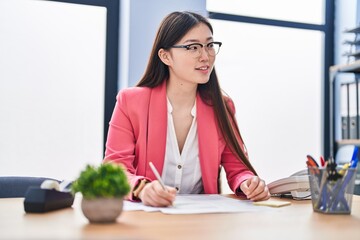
x=178 y=118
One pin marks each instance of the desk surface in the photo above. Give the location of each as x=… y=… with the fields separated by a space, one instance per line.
x=297 y=221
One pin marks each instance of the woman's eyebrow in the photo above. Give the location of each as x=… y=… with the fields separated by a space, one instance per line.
x=197 y=40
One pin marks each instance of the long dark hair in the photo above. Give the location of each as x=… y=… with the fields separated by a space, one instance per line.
x=171 y=30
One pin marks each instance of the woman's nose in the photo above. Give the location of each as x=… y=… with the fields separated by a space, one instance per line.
x=204 y=55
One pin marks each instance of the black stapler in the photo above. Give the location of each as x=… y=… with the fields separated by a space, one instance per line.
x=40 y=200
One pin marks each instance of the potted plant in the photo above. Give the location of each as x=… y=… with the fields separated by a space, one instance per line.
x=103 y=189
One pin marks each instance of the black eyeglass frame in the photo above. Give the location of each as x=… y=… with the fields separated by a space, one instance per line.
x=188 y=46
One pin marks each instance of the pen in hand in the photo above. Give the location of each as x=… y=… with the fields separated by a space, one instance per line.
x=157 y=175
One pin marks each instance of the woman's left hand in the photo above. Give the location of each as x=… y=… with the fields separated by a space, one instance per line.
x=255 y=189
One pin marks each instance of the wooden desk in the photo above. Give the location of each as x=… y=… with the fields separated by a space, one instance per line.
x=297 y=221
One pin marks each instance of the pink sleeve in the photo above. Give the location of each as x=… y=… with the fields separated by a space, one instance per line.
x=120 y=145
x=236 y=171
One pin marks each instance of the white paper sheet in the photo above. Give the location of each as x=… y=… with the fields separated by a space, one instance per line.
x=200 y=203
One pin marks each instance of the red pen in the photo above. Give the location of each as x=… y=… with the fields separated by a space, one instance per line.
x=322 y=161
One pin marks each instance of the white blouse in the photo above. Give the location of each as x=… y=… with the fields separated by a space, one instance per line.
x=182 y=171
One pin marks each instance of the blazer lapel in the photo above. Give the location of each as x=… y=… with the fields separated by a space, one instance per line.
x=157 y=129
x=208 y=145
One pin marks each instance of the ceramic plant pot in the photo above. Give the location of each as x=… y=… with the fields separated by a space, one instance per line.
x=102 y=210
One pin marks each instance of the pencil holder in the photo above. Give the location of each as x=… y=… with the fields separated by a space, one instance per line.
x=331 y=195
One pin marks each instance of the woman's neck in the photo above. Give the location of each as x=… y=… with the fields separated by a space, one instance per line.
x=181 y=94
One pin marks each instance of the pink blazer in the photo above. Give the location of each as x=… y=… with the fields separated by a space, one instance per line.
x=137 y=135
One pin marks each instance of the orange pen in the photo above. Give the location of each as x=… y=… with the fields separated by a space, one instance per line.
x=312 y=164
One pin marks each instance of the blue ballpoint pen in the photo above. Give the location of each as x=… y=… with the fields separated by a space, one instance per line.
x=340 y=196
x=323 y=198
x=355 y=158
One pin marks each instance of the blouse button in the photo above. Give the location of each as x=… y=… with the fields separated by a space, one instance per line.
x=179 y=166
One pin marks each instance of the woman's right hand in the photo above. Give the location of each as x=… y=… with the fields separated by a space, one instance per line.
x=154 y=195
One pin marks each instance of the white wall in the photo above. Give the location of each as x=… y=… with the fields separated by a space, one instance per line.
x=275 y=83
x=52 y=75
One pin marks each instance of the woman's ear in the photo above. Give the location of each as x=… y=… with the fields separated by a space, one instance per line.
x=164 y=56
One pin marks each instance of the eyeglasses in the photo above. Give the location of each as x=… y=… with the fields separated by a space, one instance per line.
x=195 y=49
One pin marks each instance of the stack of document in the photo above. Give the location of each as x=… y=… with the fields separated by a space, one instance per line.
x=200 y=203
